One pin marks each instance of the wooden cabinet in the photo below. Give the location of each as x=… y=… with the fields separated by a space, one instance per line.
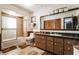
x=40 y=42
x=58 y=46
x=52 y=24
x=37 y=40
x=68 y=50
x=49 y=45
x=68 y=46
x=58 y=50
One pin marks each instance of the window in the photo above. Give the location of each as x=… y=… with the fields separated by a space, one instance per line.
x=8 y=22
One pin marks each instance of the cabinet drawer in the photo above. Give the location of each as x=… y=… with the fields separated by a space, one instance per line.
x=36 y=39
x=69 y=42
x=68 y=50
x=36 y=35
x=41 y=37
x=50 y=38
x=58 y=50
x=58 y=44
x=58 y=40
x=49 y=42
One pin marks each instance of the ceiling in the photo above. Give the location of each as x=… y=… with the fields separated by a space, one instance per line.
x=37 y=7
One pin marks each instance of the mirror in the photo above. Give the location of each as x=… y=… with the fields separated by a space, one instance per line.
x=68 y=21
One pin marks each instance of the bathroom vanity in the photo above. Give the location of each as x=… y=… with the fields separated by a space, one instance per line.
x=59 y=44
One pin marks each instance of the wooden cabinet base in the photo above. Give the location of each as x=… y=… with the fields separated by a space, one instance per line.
x=56 y=45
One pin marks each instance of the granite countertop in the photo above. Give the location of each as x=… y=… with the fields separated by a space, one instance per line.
x=59 y=35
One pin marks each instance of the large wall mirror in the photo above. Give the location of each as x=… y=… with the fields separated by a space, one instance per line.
x=68 y=20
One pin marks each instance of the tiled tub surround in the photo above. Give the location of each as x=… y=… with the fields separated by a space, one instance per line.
x=56 y=42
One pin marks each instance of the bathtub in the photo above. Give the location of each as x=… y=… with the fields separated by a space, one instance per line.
x=8 y=43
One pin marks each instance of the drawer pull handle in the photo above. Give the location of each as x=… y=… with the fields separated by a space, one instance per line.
x=68 y=42
x=68 y=48
x=55 y=44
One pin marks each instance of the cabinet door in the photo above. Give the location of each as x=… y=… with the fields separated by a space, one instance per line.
x=58 y=50
x=58 y=46
x=49 y=44
x=58 y=41
x=68 y=46
x=68 y=50
x=42 y=42
x=37 y=40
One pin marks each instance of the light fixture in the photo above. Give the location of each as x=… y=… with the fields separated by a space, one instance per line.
x=12 y=12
